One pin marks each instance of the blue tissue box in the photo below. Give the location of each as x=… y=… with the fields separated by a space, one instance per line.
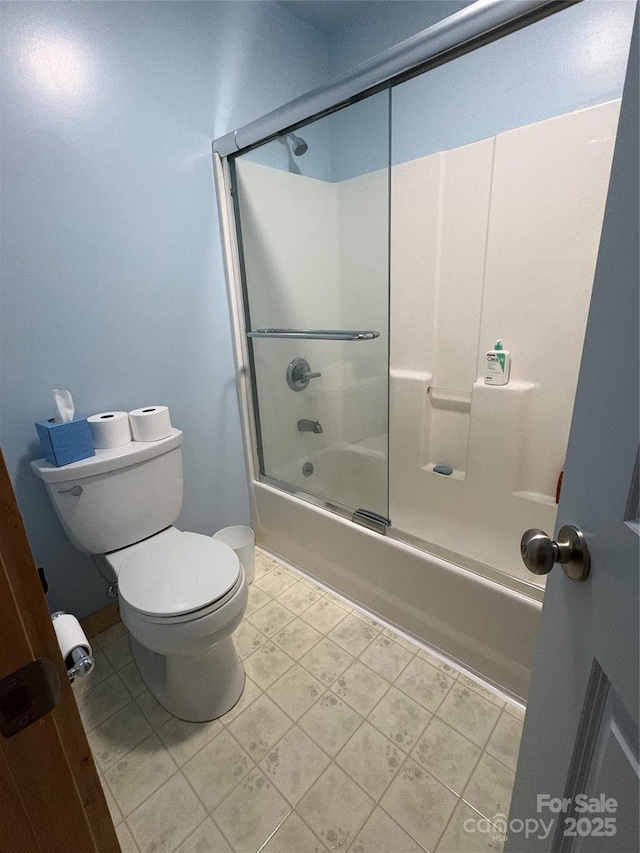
x=65 y=443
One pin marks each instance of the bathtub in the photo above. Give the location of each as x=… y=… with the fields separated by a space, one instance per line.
x=484 y=626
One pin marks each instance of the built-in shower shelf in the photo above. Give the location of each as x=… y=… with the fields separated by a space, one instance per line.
x=453 y=401
x=454 y=475
x=536 y=497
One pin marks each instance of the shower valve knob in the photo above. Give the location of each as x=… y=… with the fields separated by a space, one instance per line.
x=540 y=553
x=299 y=374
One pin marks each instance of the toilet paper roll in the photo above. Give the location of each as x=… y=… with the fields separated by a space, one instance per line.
x=110 y=429
x=70 y=635
x=150 y=423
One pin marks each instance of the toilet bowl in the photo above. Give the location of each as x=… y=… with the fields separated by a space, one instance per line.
x=181 y=594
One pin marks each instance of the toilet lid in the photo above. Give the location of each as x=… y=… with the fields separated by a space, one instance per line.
x=169 y=576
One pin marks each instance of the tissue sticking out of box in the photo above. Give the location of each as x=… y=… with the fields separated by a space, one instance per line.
x=65 y=409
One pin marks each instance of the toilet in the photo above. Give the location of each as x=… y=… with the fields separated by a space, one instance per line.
x=181 y=594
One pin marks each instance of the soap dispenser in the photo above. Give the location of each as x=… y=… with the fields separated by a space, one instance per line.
x=498 y=366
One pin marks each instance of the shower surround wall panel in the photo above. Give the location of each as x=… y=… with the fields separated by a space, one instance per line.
x=497 y=239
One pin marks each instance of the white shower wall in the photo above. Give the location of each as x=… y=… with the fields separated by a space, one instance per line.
x=497 y=239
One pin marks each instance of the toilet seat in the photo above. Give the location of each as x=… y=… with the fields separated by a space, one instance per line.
x=176 y=576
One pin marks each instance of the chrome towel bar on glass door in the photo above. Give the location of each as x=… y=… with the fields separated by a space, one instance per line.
x=315 y=334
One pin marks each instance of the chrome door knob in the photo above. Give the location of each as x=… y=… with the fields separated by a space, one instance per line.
x=540 y=553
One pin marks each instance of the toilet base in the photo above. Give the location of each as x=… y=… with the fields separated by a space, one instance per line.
x=196 y=688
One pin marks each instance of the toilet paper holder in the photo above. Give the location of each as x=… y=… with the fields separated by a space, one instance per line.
x=79 y=661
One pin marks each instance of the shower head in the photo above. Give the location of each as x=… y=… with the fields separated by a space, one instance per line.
x=298 y=145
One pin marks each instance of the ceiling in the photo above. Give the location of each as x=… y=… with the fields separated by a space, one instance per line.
x=328 y=14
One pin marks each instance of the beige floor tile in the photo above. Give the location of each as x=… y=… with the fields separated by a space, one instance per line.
x=297 y=638
x=438 y=664
x=504 y=743
x=263 y=566
x=419 y=803
x=400 y=640
x=371 y=760
x=353 y=634
x=250 y=693
x=326 y=661
x=184 y=739
x=127 y=844
x=367 y=619
x=482 y=691
x=339 y=602
x=293 y=836
x=257 y=599
x=467 y=833
x=490 y=787
x=247 y=638
x=251 y=812
x=267 y=664
x=386 y=657
x=335 y=808
x=114 y=811
x=298 y=597
x=380 y=834
x=167 y=818
x=360 y=687
x=102 y=670
x=132 y=680
x=276 y=582
x=447 y=755
x=324 y=615
x=217 y=769
x=330 y=723
x=206 y=839
x=271 y=618
x=102 y=701
x=153 y=710
x=296 y=691
x=294 y=764
x=425 y=684
x=118 y=653
x=139 y=774
x=117 y=736
x=469 y=713
x=400 y=718
x=111 y=634
x=515 y=711
x=260 y=727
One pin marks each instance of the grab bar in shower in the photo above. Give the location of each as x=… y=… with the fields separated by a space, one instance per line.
x=315 y=334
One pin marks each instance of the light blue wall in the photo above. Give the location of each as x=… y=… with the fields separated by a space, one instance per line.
x=381 y=25
x=111 y=269
x=570 y=60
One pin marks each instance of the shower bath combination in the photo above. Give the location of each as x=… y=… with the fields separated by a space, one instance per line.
x=398 y=425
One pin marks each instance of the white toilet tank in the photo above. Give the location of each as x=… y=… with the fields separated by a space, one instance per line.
x=118 y=496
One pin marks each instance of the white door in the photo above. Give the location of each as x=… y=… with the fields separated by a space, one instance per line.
x=581 y=730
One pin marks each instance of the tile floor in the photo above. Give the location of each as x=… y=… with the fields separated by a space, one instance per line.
x=347 y=737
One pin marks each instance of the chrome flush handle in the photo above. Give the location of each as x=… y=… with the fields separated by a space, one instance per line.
x=76 y=491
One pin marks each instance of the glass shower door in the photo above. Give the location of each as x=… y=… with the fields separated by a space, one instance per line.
x=312 y=211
